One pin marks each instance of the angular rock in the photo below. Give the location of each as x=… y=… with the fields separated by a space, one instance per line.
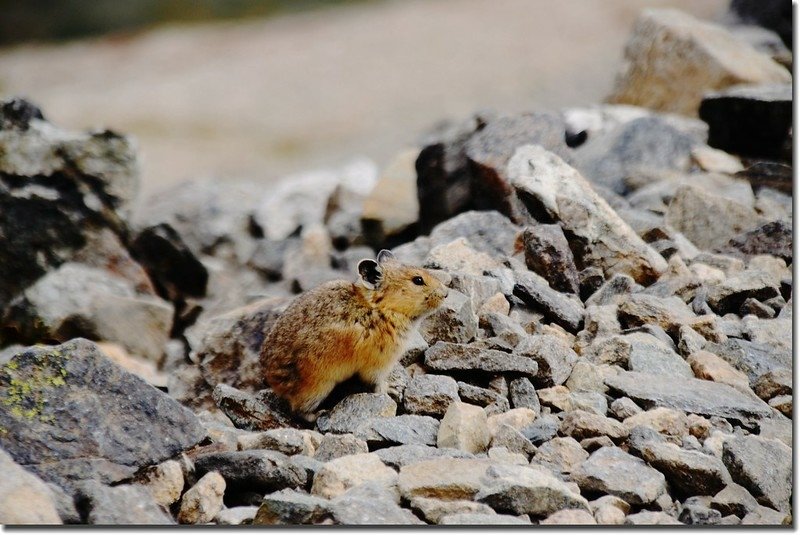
x=752 y=358
x=517 y=418
x=454 y=321
x=569 y=517
x=24 y=498
x=554 y=357
x=729 y=295
x=236 y=516
x=668 y=46
x=483 y=397
x=430 y=394
x=285 y=440
x=710 y=367
x=523 y=394
x=399 y=456
x=165 y=482
x=773 y=238
x=403 y=429
x=581 y=424
x=339 y=475
x=335 y=446
x=766 y=516
x=450 y=357
x=247 y=411
x=640 y=309
x=486 y=231
x=541 y=430
x=202 y=502
x=561 y=455
x=689 y=395
x=115 y=423
x=557 y=192
x=434 y=510
x=446 y=479
x=774 y=383
x=548 y=254
x=612 y=471
x=123 y=504
x=254 y=470
x=689 y=473
x=666 y=421
x=762 y=466
x=556 y=307
x=371 y=504
x=291 y=507
x=464 y=427
x=459 y=256
x=354 y=410
x=734 y=500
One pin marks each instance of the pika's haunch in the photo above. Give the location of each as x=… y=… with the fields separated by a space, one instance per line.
x=343 y=329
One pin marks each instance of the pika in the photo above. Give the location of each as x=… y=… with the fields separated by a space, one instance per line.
x=343 y=329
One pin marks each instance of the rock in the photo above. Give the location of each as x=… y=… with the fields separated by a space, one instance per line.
x=617 y=285
x=709 y=58
x=202 y=502
x=41 y=384
x=548 y=254
x=471 y=519
x=710 y=367
x=403 y=429
x=164 y=481
x=291 y=507
x=464 y=427
x=582 y=424
x=75 y=300
x=560 y=454
x=562 y=195
x=688 y=472
x=513 y=440
x=770 y=332
x=569 y=517
x=430 y=394
x=339 y=475
x=486 y=231
x=612 y=471
x=442 y=478
x=774 y=238
x=640 y=309
x=459 y=256
x=391 y=209
x=639 y=352
x=729 y=295
x=450 y=357
x=523 y=394
x=454 y=321
x=558 y=308
x=715 y=160
x=554 y=357
x=24 y=498
x=666 y=421
x=354 y=410
x=483 y=397
x=733 y=114
x=734 y=500
x=762 y=466
x=651 y=518
x=752 y=358
x=236 y=516
x=708 y=220
x=335 y=446
x=541 y=430
x=500 y=454
x=688 y=395
x=434 y=510
x=285 y=440
x=399 y=456
x=609 y=515
x=622 y=408
x=773 y=383
x=248 y=412
x=518 y=418
x=123 y=504
x=527 y=490
x=371 y=504
x=252 y=470
x=766 y=516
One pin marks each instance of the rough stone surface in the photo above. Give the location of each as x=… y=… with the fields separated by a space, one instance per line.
x=762 y=466
x=165 y=482
x=201 y=503
x=291 y=507
x=612 y=471
x=554 y=357
x=371 y=504
x=399 y=456
x=561 y=455
x=434 y=510
x=252 y=470
x=335 y=446
x=689 y=473
x=449 y=357
x=558 y=308
x=123 y=504
x=464 y=427
x=350 y=413
x=403 y=429
x=453 y=321
x=547 y=253
x=339 y=475
x=446 y=479
x=24 y=498
x=247 y=411
x=430 y=394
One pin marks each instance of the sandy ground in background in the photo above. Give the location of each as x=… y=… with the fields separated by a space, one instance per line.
x=265 y=98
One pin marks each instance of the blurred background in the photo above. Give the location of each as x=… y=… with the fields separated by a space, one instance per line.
x=260 y=89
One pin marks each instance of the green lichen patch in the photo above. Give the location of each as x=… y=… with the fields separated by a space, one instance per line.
x=27 y=382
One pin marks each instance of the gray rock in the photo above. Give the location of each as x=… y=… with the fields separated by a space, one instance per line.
x=523 y=394
x=773 y=383
x=688 y=472
x=337 y=476
x=247 y=411
x=256 y=470
x=450 y=357
x=557 y=192
x=430 y=394
x=527 y=490
x=774 y=238
x=548 y=254
x=453 y=321
x=397 y=382
x=612 y=471
x=619 y=284
x=651 y=518
x=541 y=430
x=115 y=423
x=350 y=413
x=554 y=356
x=404 y=429
x=371 y=504
x=434 y=510
x=24 y=498
x=752 y=358
x=123 y=504
x=558 y=308
x=622 y=408
x=291 y=507
x=286 y=440
x=486 y=231
x=236 y=516
x=335 y=446
x=399 y=456
x=502 y=327
x=729 y=295
x=481 y=396
x=507 y=436
x=478 y=519
x=734 y=500
x=641 y=309
x=581 y=424
x=766 y=516
x=561 y=455
x=762 y=466
x=689 y=395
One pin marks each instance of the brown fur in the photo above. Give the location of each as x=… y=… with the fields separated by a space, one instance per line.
x=341 y=329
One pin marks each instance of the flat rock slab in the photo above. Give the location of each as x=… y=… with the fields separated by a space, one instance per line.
x=762 y=466
x=69 y=413
x=689 y=395
x=612 y=471
x=450 y=357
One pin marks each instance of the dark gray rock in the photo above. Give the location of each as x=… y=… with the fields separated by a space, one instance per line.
x=523 y=394
x=553 y=355
x=556 y=307
x=482 y=397
x=762 y=466
x=249 y=412
x=449 y=357
x=612 y=471
x=547 y=253
x=399 y=456
x=253 y=470
x=71 y=414
x=774 y=238
x=430 y=394
x=292 y=507
x=641 y=309
x=269 y=256
x=753 y=358
x=124 y=504
x=751 y=120
x=542 y=429
x=404 y=429
x=350 y=413
x=706 y=398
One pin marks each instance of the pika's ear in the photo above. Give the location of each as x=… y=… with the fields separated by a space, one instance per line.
x=370 y=273
x=386 y=256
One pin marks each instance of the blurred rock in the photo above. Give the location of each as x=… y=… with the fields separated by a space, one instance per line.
x=547 y=253
x=291 y=507
x=774 y=238
x=201 y=503
x=24 y=498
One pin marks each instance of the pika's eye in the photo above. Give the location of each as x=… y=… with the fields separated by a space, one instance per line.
x=418 y=281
